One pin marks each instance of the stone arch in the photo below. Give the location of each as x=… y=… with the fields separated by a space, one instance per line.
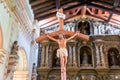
x=22 y=62
x=1 y=38
x=85 y=54
x=113 y=57
x=21 y=69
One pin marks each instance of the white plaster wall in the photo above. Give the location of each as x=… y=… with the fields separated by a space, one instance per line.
x=23 y=42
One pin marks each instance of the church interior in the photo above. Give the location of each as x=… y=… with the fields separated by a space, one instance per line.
x=22 y=22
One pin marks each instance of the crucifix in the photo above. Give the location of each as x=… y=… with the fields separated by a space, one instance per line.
x=62 y=51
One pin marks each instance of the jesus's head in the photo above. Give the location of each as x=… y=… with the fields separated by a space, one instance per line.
x=61 y=35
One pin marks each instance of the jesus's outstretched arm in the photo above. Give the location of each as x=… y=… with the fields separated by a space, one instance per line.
x=72 y=36
x=52 y=38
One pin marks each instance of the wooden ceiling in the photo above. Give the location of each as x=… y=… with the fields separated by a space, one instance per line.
x=107 y=10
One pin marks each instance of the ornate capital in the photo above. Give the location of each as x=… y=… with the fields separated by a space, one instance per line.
x=72 y=43
x=99 y=42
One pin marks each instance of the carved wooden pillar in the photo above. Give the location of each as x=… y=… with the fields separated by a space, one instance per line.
x=45 y=77
x=104 y=77
x=100 y=77
x=70 y=77
x=102 y=55
x=96 y=28
x=74 y=77
x=43 y=53
x=74 y=55
x=106 y=57
x=50 y=55
x=70 y=55
x=47 y=47
x=97 y=56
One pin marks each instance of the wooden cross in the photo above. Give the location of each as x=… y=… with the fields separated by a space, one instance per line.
x=61 y=29
x=61 y=21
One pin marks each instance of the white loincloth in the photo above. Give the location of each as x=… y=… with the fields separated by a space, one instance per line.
x=62 y=52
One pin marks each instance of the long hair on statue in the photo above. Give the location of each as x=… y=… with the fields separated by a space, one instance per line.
x=62 y=34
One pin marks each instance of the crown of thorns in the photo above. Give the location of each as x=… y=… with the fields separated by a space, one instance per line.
x=60 y=33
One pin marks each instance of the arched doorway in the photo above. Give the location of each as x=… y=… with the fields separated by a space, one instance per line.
x=1 y=38
x=21 y=69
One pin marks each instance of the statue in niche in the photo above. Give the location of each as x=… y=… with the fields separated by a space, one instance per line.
x=113 y=59
x=85 y=59
x=84 y=28
x=56 y=61
x=14 y=49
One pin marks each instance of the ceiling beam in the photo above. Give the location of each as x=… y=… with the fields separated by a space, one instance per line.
x=75 y=13
x=83 y=10
x=100 y=2
x=49 y=12
x=67 y=2
x=39 y=7
x=57 y=4
x=112 y=18
x=93 y=16
x=56 y=21
x=103 y=8
x=45 y=9
x=37 y=2
x=116 y=3
x=49 y=21
x=39 y=17
x=64 y=6
x=37 y=12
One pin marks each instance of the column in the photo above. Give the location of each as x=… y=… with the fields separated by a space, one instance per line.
x=95 y=28
x=104 y=77
x=45 y=77
x=50 y=55
x=97 y=56
x=47 y=47
x=106 y=58
x=74 y=55
x=70 y=77
x=43 y=53
x=74 y=77
x=100 y=77
x=70 y=55
x=102 y=55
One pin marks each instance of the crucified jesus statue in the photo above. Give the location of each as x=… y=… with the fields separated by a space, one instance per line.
x=62 y=52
